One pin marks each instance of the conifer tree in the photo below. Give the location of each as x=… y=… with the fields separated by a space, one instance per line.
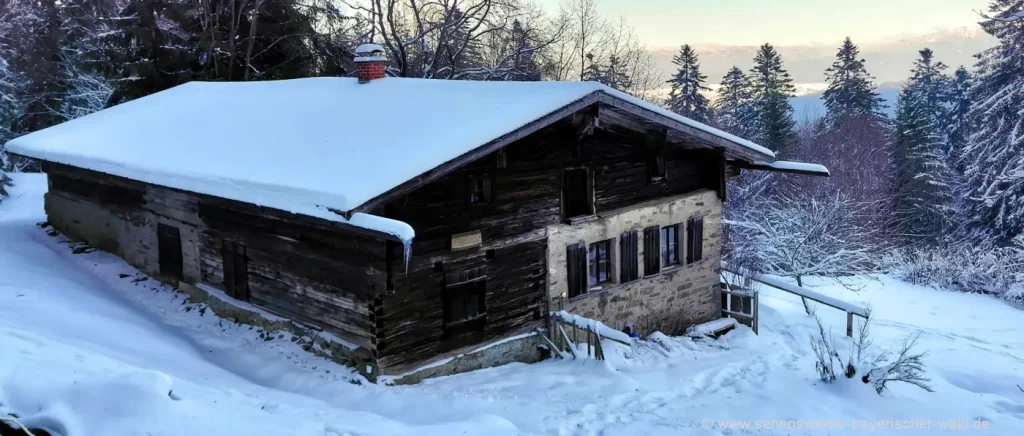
x=771 y=89
x=958 y=127
x=733 y=109
x=924 y=183
x=993 y=160
x=850 y=90
x=685 y=97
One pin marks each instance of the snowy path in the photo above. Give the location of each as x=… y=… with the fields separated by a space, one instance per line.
x=88 y=352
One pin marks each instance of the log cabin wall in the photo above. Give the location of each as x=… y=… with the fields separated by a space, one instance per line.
x=301 y=268
x=524 y=185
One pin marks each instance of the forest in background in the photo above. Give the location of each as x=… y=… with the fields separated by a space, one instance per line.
x=934 y=193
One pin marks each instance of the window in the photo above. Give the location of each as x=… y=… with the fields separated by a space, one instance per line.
x=670 y=245
x=628 y=257
x=600 y=262
x=236 y=270
x=465 y=294
x=578 y=193
x=652 y=251
x=479 y=189
x=656 y=166
x=169 y=250
x=695 y=239
x=576 y=265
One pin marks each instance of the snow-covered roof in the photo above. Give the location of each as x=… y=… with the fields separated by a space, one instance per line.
x=792 y=167
x=313 y=146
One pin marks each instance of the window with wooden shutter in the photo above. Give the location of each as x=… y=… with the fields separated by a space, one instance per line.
x=695 y=239
x=652 y=250
x=628 y=257
x=578 y=193
x=168 y=240
x=600 y=262
x=576 y=265
x=670 y=245
x=236 y=270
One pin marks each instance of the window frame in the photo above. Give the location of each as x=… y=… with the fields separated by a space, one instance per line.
x=570 y=199
x=669 y=246
x=479 y=189
x=599 y=264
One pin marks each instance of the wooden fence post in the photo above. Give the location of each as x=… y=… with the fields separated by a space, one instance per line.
x=849 y=324
x=754 y=321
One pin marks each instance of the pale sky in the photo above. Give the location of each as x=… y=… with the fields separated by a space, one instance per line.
x=665 y=23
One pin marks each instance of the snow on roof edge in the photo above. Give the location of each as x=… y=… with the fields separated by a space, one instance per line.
x=745 y=143
x=784 y=165
x=280 y=199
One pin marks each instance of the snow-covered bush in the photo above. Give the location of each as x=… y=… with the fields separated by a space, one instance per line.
x=972 y=265
x=802 y=233
x=852 y=356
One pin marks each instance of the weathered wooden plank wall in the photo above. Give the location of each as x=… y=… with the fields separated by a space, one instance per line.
x=526 y=198
x=299 y=267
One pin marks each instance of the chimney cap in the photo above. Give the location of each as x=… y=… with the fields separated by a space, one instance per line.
x=370 y=53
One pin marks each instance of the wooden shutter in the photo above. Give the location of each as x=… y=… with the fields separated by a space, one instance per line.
x=652 y=250
x=630 y=269
x=576 y=264
x=698 y=243
x=169 y=250
x=695 y=239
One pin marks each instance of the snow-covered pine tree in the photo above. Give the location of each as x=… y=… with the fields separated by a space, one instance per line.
x=149 y=49
x=993 y=160
x=771 y=89
x=924 y=183
x=86 y=90
x=958 y=127
x=850 y=92
x=931 y=84
x=733 y=110
x=613 y=75
x=687 y=85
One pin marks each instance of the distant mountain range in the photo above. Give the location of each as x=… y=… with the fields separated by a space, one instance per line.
x=888 y=61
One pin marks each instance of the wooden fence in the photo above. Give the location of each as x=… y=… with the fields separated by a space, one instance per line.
x=850 y=308
x=564 y=345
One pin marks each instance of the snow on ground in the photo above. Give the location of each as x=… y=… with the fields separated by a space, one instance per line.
x=85 y=351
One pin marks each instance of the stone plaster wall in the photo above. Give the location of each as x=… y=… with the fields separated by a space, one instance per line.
x=668 y=301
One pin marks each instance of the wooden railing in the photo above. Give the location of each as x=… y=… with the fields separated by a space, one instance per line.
x=850 y=308
x=740 y=303
x=564 y=345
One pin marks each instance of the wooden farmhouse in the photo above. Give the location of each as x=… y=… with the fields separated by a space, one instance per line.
x=426 y=226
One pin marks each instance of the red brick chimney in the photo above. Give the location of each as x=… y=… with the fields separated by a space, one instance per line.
x=371 y=63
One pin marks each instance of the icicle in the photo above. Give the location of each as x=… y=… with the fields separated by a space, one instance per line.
x=407 y=255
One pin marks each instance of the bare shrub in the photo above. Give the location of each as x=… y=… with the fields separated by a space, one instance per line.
x=850 y=356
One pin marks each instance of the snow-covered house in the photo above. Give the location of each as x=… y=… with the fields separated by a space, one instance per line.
x=414 y=220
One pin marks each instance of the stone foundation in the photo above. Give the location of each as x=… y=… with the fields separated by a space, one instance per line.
x=525 y=348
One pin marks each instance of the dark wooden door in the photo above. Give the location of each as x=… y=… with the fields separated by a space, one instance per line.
x=236 y=270
x=169 y=251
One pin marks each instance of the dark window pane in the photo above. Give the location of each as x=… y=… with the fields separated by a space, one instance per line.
x=577 y=193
